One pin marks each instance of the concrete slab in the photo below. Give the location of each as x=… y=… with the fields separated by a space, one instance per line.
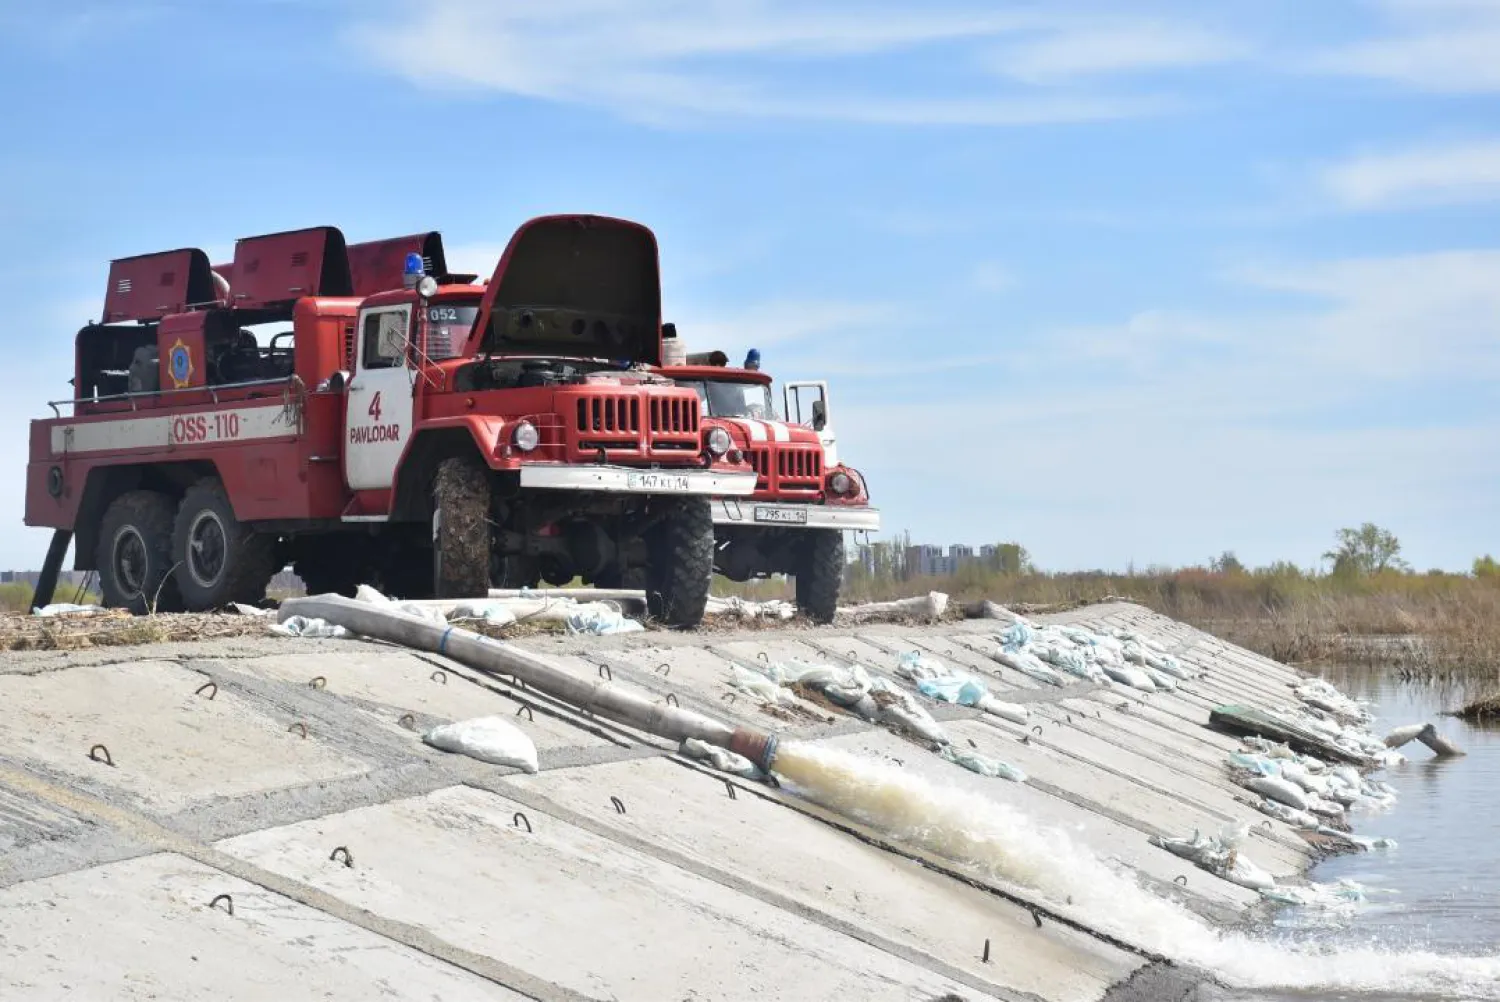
x=1149 y=810
x=142 y=929
x=388 y=683
x=574 y=908
x=770 y=846
x=1105 y=837
x=170 y=748
x=705 y=676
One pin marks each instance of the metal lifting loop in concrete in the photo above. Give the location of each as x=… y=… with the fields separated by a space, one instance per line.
x=1037 y=730
x=318 y=682
x=730 y=787
x=213 y=687
x=441 y=677
x=408 y=721
x=107 y=759
x=1181 y=878
x=671 y=699
x=228 y=903
x=664 y=670
x=519 y=820
x=985 y=957
x=619 y=804
x=607 y=673
x=298 y=726
x=526 y=709
x=348 y=859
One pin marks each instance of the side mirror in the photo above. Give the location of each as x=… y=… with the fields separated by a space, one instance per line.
x=819 y=415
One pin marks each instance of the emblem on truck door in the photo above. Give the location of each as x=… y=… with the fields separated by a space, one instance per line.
x=180 y=365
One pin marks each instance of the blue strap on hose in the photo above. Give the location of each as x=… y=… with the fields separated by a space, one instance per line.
x=443 y=643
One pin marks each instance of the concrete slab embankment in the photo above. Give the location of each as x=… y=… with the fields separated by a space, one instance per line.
x=471 y=881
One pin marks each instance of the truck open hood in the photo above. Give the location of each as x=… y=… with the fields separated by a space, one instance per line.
x=574 y=285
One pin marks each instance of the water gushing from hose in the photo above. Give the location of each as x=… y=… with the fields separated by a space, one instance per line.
x=1005 y=844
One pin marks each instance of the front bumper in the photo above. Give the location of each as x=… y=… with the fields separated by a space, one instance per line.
x=730 y=511
x=627 y=480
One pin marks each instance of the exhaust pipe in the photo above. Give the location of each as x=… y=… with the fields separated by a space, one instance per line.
x=493 y=657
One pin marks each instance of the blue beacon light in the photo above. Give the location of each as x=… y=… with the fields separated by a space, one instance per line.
x=413 y=270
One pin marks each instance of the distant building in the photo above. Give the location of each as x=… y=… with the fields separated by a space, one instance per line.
x=926 y=560
x=959 y=554
x=989 y=554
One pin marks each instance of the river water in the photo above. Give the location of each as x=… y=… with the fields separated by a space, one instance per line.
x=1428 y=933
x=1439 y=890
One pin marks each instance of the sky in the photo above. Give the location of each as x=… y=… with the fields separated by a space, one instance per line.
x=1126 y=282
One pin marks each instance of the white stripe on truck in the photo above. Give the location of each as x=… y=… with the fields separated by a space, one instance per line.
x=239 y=424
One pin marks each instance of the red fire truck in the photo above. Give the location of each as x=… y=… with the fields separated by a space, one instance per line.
x=364 y=415
x=804 y=499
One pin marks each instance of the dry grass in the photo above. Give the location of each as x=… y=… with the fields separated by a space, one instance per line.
x=1437 y=626
x=118 y=629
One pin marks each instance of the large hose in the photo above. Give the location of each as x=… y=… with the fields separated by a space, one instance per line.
x=494 y=656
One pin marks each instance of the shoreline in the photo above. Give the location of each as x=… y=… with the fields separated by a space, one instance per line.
x=223 y=784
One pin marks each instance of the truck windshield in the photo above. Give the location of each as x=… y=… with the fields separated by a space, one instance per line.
x=724 y=399
x=447 y=327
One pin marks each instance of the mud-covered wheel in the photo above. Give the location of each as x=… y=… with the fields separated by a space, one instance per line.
x=680 y=564
x=219 y=559
x=821 y=574
x=461 y=529
x=134 y=554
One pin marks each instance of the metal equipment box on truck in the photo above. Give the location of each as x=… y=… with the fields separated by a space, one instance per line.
x=391 y=423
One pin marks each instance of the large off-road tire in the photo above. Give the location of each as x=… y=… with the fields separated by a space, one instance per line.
x=461 y=529
x=134 y=554
x=220 y=560
x=680 y=564
x=820 y=576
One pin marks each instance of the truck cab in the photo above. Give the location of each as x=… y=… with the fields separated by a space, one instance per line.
x=403 y=425
x=804 y=499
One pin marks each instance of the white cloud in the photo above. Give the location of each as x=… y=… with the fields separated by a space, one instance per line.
x=1448 y=174
x=670 y=61
x=1105 y=49
x=1434 y=45
x=992 y=277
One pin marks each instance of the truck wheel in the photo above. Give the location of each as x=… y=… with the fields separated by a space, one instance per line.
x=219 y=558
x=821 y=575
x=134 y=555
x=679 y=571
x=461 y=536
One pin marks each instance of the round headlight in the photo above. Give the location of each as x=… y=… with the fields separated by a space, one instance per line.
x=427 y=287
x=525 y=436
x=841 y=483
x=719 y=441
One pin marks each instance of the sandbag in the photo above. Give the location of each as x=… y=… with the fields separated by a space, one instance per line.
x=488 y=739
x=981 y=764
x=1280 y=790
x=1014 y=712
x=1133 y=677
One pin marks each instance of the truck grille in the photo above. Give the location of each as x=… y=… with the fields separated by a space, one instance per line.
x=674 y=415
x=799 y=465
x=616 y=415
x=760 y=462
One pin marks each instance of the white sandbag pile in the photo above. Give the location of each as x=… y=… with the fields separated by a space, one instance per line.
x=1049 y=653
